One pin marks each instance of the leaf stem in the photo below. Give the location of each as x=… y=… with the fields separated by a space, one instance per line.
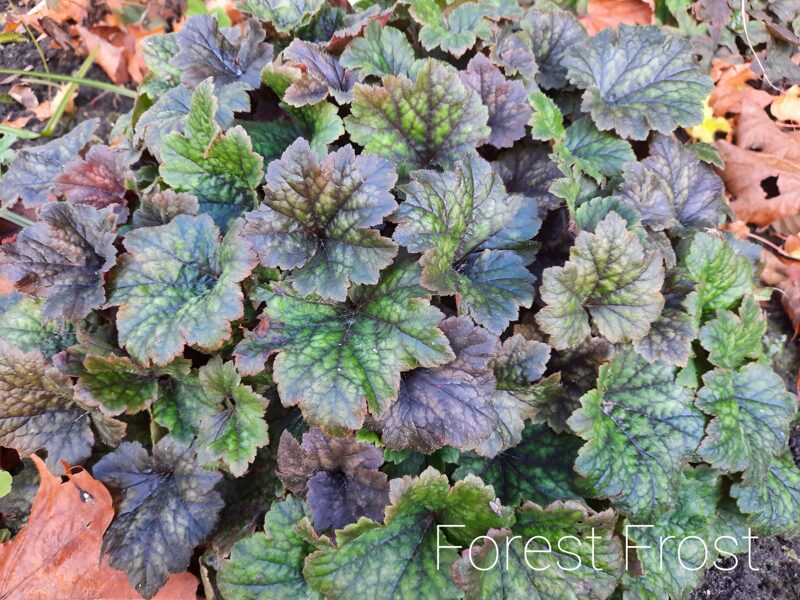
x=13 y=217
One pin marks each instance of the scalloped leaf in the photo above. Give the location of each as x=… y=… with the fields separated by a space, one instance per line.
x=220 y=170
x=552 y=34
x=21 y=325
x=321 y=75
x=98 y=180
x=637 y=79
x=528 y=170
x=608 y=276
x=721 y=275
x=596 y=153
x=469 y=230
x=183 y=404
x=771 y=500
x=641 y=428
x=731 y=339
x=179 y=284
x=160 y=208
x=62 y=258
x=284 y=15
x=157 y=52
x=380 y=51
x=353 y=353
x=317 y=218
x=432 y=120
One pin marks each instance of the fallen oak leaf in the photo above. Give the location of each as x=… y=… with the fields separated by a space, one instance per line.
x=605 y=14
x=57 y=553
x=732 y=88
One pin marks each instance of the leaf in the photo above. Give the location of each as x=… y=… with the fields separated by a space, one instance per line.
x=672 y=188
x=353 y=353
x=752 y=411
x=670 y=570
x=606 y=14
x=235 y=431
x=182 y=405
x=771 y=499
x=37 y=411
x=178 y=284
x=229 y=55
x=322 y=75
x=721 y=275
x=269 y=564
x=546 y=121
x=21 y=325
x=221 y=170
x=31 y=174
x=450 y=405
x=469 y=229
x=670 y=338
x=520 y=362
x=512 y=51
x=338 y=478
x=399 y=560
x=284 y=15
x=609 y=275
x=529 y=171
x=57 y=553
x=572 y=570
x=157 y=51
x=597 y=153
x=731 y=339
x=641 y=428
x=98 y=180
x=538 y=469
x=167 y=506
x=432 y=120
x=552 y=33
x=380 y=51
x=317 y=219
x=637 y=79
x=160 y=208
x=505 y=100
x=62 y=258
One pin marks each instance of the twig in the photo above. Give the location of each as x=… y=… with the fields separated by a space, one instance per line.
x=753 y=50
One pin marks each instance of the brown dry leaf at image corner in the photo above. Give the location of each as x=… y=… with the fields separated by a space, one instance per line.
x=57 y=552
x=762 y=169
x=732 y=88
x=785 y=276
x=603 y=14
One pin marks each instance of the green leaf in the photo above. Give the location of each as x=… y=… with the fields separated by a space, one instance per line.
x=157 y=51
x=671 y=334
x=221 y=170
x=672 y=188
x=641 y=428
x=752 y=411
x=62 y=258
x=432 y=120
x=771 y=499
x=670 y=570
x=353 y=353
x=234 y=433
x=398 y=561
x=182 y=405
x=608 y=276
x=269 y=564
x=284 y=15
x=539 y=468
x=21 y=324
x=380 y=51
x=637 y=79
x=731 y=339
x=596 y=153
x=5 y=483
x=552 y=34
x=37 y=411
x=546 y=121
x=469 y=229
x=589 y=213
x=179 y=284
x=317 y=219
x=545 y=555
x=721 y=275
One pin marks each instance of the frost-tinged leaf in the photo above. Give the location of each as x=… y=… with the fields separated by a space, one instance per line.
x=609 y=275
x=398 y=561
x=468 y=229
x=322 y=75
x=98 y=179
x=641 y=428
x=157 y=51
x=167 y=506
x=721 y=275
x=269 y=564
x=553 y=34
x=160 y=208
x=432 y=120
x=237 y=429
x=672 y=188
x=317 y=217
x=228 y=55
x=21 y=325
x=672 y=333
x=284 y=15
x=512 y=51
x=221 y=170
x=179 y=284
x=449 y=405
x=730 y=339
x=752 y=411
x=771 y=500
x=539 y=468
x=62 y=258
x=338 y=478
x=543 y=555
x=529 y=171
x=37 y=411
x=351 y=353
x=637 y=79
x=505 y=99
x=32 y=173
x=596 y=153
x=381 y=51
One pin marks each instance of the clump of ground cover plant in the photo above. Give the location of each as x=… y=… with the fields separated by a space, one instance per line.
x=401 y=287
